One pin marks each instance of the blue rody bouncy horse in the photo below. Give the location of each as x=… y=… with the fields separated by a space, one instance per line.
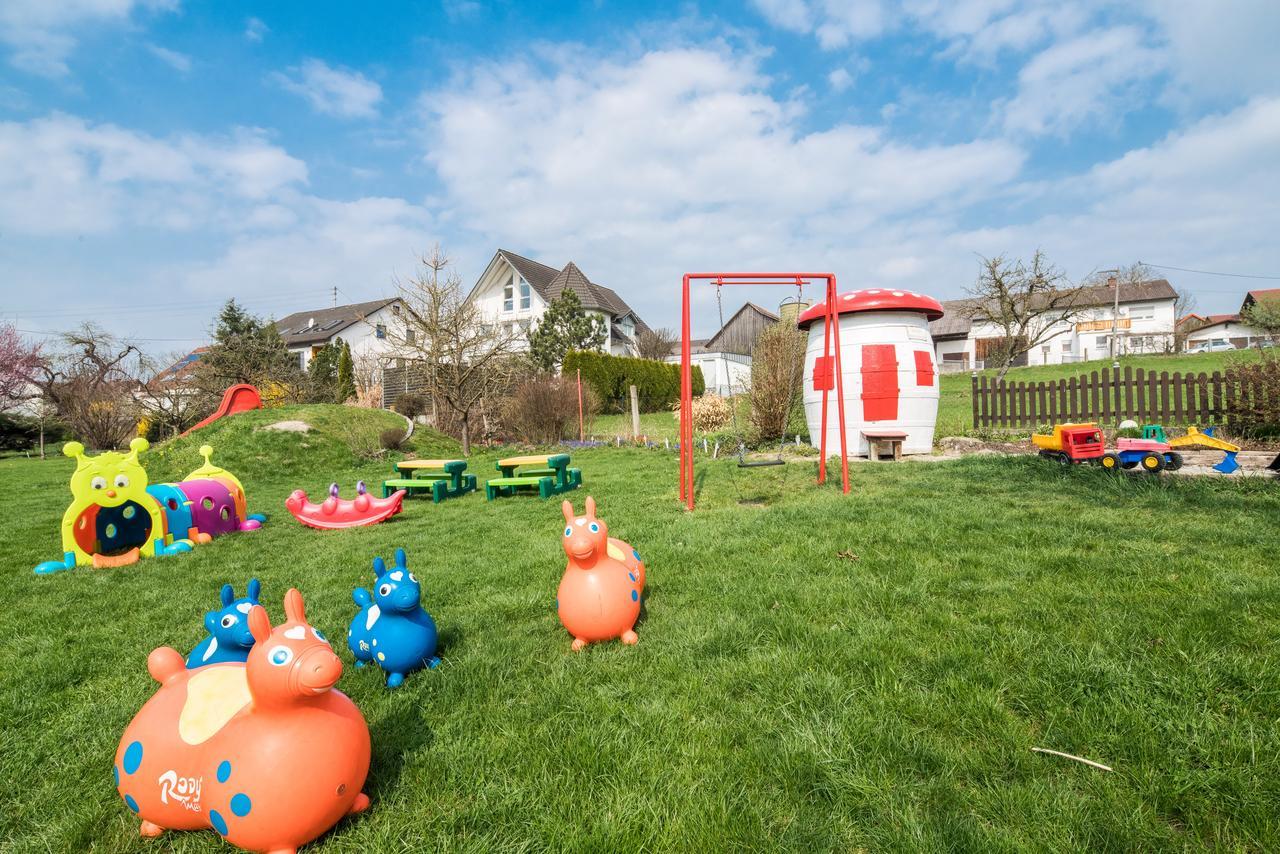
x=229 y=636
x=392 y=629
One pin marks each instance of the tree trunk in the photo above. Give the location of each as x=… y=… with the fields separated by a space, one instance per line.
x=466 y=434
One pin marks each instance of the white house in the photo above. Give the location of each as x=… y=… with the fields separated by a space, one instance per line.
x=514 y=291
x=1145 y=324
x=363 y=325
x=725 y=358
x=1229 y=328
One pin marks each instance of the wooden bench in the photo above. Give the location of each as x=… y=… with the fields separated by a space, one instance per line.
x=878 y=439
x=508 y=486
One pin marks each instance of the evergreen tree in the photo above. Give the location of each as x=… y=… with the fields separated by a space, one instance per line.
x=565 y=326
x=246 y=349
x=322 y=374
x=346 y=375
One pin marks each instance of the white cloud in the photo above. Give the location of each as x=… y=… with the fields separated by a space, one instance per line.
x=333 y=91
x=41 y=34
x=1087 y=78
x=840 y=79
x=63 y=175
x=681 y=157
x=255 y=30
x=176 y=61
x=835 y=23
x=1221 y=49
x=457 y=10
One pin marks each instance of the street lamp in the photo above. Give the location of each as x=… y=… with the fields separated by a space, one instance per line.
x=1115 y=313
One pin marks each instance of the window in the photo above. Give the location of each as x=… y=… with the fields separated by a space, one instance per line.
x=409 y=336
x=302 y=360
x=1066 y=346
x=1142 y=312
x=524 y=293
x=1102 y=340
x=508 y=298
x=524 y=326
x=395 y=309
x=380 y=331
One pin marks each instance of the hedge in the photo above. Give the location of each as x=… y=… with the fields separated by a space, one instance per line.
x=657 y=383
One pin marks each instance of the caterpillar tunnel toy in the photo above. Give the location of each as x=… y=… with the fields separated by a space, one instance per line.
x=115 y=517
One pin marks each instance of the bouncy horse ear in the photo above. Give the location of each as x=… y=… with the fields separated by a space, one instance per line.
x=294 y=610
x=591 y=507
x=401 y=560
x=567 y=508
x=228 y=594
x=379 y=567
x=253 y=590
x=259 y=624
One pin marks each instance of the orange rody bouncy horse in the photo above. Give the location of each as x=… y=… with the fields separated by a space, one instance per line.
x=599 y=596
x=265 y=752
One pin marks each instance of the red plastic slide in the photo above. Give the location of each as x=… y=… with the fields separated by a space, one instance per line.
x=238 y=398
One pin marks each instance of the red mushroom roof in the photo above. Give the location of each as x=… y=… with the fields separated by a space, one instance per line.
x=875 y=299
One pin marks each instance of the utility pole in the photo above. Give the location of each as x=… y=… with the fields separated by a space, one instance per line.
x=335 y=296
x=1115 y=310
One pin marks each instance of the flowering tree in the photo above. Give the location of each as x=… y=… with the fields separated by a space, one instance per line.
x=18 y=363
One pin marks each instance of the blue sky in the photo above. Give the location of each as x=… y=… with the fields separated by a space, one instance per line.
x=157 y=157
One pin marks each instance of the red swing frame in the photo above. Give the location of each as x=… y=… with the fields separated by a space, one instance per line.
x=832 y=328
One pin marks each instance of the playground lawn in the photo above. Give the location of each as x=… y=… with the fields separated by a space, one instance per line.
x=815 y=671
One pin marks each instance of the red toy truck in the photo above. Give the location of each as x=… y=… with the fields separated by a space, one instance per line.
x=1083 y=443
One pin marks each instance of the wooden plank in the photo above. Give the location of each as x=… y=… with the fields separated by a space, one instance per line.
x=1192 y=413
x=1004 y=403
x=1041 y=411
x=1176 y=403
x=1202 y=395
x=973 y=395
x=1095 y=385
x=1153 y=405
x=1104 y=387
x=1062 y=400
x=1128 y=393
x=1165 y=408
x=1073 y=408
x=1229 y=395
x=1215 y=384
x=1024 y=402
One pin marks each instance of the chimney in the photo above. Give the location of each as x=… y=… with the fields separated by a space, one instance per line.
x=790 y=310
x=1111 y=282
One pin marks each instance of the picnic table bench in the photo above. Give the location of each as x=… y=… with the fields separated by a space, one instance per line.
x=442 y=478
x=878 y=438
x=549 y=474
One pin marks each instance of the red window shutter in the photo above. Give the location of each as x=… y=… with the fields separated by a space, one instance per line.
x=879 y=382
x=823 y=374
x=924 y=368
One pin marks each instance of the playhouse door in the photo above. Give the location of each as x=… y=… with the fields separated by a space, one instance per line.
x=879 y=382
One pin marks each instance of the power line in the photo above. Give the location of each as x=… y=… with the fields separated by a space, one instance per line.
x=46 y=333
x=1209 y=272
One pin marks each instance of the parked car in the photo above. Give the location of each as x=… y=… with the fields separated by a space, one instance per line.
x=1214 y=345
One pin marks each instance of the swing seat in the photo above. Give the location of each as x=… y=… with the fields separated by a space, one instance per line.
x=755 y=464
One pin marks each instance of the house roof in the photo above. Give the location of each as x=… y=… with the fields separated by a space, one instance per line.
x=956 y=323
x=313 y=327
x=182 y=369
x=550 y=283
x=1265 y=293
x=710 y=343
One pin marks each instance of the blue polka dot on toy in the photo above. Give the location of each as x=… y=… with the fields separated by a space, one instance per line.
x=115 y=774
x=240 y=804
x=224 y=771
x=219 y=823
x=634 y=596
x=130 y=803
x=635 y=554
x=132 y=757
x=632 y=576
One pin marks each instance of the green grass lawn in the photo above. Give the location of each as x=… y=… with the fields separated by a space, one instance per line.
x=781 y=696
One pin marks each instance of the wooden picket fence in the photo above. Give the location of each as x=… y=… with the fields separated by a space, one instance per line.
x=1108 y=396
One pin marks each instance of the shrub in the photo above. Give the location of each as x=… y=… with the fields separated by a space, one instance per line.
x=411 y=405
x=711 y=412
x=392 y=439
x=1253 y=406
x=544 y=410
x=776 y=365
x=657 y=383
x=22 y=432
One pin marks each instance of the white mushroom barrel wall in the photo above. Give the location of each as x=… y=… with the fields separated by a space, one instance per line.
x=890 y=377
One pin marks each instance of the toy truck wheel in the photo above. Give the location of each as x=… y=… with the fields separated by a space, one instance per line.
x=1173 y=461
x=1110 y=461
x=1152 y=463
x=1064 y=458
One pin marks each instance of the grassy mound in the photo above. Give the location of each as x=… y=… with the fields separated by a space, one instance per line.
x=340 y=437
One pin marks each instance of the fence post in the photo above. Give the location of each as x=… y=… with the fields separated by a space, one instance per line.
x=973 y=393
x=635 y=413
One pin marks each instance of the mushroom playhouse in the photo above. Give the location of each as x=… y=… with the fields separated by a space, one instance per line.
x=890 y=377
x=115 y=517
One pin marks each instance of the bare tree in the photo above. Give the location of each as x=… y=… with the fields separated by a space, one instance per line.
x=465 y=359
x=1026 y=303
x=91 y=384
x=656 y=343
x=1263 y=315
x=169 y=401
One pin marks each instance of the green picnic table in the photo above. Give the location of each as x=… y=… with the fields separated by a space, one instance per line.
x=442 y=478
x=549 y=474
